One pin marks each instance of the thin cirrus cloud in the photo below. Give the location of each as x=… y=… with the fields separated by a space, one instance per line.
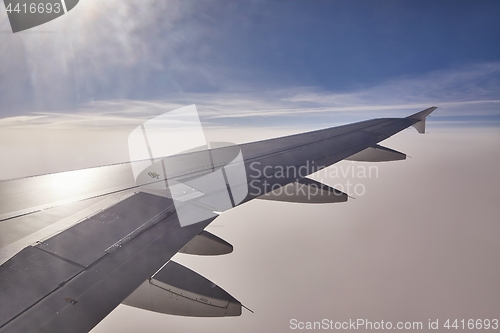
x=465 y=93
x=104 y=50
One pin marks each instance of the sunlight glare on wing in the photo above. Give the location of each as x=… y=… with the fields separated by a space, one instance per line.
x=66 y=185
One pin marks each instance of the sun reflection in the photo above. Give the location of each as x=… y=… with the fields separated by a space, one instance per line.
x=66 y=185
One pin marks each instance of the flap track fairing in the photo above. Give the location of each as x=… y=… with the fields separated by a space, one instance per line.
x=306 y=191
x=377 y=153
x=177 y=290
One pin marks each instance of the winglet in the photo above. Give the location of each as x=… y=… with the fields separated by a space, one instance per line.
x=420 y=117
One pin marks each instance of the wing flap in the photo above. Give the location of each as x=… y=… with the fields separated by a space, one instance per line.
x=99 y=234
x=120 y=258
x=29 y=276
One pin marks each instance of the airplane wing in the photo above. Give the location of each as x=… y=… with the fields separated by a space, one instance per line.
x=73 y=275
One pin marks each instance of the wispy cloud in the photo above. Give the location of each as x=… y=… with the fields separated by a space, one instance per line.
x=101 y=50
x=467 y=91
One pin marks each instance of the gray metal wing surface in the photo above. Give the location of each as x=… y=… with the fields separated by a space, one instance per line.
x=70 y=281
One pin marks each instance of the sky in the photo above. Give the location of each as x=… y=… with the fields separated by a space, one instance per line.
x=240 y=57
x=72 y=89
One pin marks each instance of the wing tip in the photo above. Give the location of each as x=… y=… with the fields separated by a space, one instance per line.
x=420 y=117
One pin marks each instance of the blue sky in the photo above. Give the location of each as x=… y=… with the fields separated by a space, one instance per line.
x=238 y=58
